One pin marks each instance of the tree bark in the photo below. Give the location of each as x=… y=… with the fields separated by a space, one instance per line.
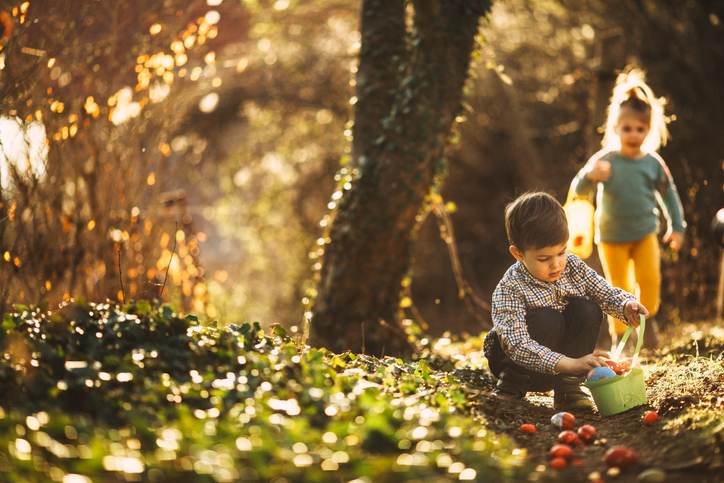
x=409 y=85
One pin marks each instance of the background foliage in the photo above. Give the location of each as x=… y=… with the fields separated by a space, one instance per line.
x=225 y=145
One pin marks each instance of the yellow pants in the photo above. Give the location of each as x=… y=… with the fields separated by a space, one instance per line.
x=632 y=264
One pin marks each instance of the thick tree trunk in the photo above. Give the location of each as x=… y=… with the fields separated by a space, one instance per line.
x=409 y=92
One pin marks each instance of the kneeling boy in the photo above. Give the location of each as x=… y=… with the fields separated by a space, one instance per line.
x=547 y=308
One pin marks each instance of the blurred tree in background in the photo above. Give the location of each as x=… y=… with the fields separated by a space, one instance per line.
x=214 y=130
x=404 y=111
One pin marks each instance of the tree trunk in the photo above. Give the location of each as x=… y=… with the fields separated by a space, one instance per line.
x=409 y=89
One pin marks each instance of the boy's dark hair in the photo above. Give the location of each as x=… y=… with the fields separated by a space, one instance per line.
x=535 y=220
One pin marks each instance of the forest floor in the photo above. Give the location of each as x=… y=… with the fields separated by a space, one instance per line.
x=685 y=385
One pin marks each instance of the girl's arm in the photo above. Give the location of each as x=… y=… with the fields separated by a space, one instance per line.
x=582 y=184
x=670 y=197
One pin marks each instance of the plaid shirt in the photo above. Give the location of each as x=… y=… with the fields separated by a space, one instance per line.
x=519 y=291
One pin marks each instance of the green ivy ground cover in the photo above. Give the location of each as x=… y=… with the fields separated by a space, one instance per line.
x=94 y=392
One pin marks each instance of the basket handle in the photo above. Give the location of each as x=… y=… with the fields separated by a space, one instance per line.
x=639 y=342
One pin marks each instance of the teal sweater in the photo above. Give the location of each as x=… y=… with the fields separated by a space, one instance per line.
x=628 y=203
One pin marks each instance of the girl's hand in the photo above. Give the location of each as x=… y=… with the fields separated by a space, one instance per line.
x=675 y=240
x=600 y=171
x=632 y=310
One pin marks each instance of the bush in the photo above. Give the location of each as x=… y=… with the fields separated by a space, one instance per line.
x=109 y=393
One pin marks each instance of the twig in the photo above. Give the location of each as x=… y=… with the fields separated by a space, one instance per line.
x=416 y=313
x=173 y=252
x=33 y=51
x=473 y=302
x=120 y=272
x=720 y=289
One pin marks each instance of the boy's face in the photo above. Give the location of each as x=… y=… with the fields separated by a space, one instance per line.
x=545 y=263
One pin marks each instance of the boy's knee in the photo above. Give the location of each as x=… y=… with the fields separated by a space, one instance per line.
x=494 y=353
x=546 y=326
x=584 y=311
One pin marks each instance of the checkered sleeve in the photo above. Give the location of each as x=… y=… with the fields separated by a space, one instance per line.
x=508 y=313
x=611 y=299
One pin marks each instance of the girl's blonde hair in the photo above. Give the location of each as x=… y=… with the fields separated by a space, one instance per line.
x=632 y=91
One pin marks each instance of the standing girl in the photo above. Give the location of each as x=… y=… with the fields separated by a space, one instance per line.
x=631 y=181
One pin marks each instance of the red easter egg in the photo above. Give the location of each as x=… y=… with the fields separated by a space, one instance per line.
x=632 y=457
x=558 y=463
x=587 y=433
x=569 y=437
x=564 y=420
x=615 y=456
x=650 y=417
x=620 y=456
x=615 y=367
x=528 y=428
x=569 y=421
x=561 y=451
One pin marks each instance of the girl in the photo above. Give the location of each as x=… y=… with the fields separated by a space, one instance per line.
x=631 y=181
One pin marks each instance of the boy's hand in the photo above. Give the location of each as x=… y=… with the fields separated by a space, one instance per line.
x=600 y=171
x=580 y=366
x=602 y=353
x=632 y=310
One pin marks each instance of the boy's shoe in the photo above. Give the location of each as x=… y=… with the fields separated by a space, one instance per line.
x=505 y=389
x=571 y=397
x=508 y=396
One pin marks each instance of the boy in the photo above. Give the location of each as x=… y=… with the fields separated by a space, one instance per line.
x=547 y=308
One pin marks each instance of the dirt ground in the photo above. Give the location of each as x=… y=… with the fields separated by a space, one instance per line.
x=685 y=385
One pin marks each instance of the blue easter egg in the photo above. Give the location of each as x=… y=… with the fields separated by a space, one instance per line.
x=599 y=373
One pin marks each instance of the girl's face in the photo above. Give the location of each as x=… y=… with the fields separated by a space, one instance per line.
x=632 y=129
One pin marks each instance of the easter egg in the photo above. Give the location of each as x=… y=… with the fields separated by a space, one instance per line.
x=650 y=417
x=652 y=475
x=621 y=457
x=569 y=437
x=528 y=428
x=621 y=366
x=558 y=463
x=624 y=366
x=563 y=420
x=561 y=451
x=587 y=433
x=598 y=373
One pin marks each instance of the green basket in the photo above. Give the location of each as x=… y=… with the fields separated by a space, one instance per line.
x=617 y=394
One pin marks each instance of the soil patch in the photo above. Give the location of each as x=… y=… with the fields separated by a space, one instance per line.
x=685 y=385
